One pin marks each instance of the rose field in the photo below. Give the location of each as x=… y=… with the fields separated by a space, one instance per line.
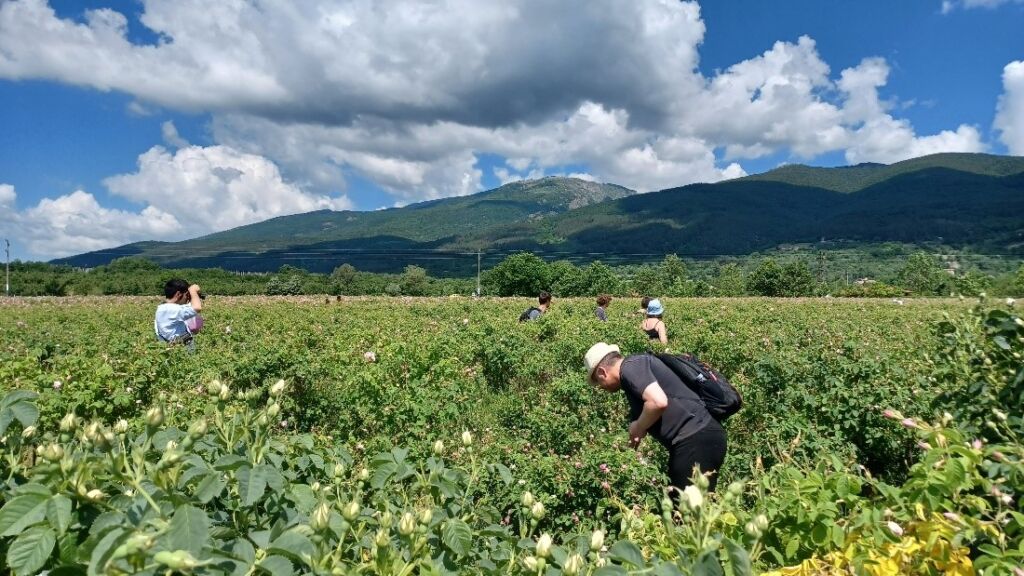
x=316 y=435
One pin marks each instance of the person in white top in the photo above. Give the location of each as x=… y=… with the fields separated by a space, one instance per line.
x=183 y=303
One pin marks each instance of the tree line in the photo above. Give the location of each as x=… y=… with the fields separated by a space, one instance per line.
x=526 y=274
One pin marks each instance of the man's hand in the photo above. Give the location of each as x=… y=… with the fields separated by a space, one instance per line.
x=636 y=434
x=194 y=299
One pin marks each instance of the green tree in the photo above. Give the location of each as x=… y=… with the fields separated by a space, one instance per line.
x=797 y=279
x=922 y=275
x=729 y=281
x=1018 y=282
x=414 y=281
x=649 y=280
x=767 y=279
x=600 y=279
x=673 y=269
x=342 y=278
x=521 y=274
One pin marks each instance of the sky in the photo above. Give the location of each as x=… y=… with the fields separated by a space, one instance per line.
x=129 y=120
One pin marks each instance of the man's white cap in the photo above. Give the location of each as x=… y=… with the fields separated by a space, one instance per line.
x=597 y=353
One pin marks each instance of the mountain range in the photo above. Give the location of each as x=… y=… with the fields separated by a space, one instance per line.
x=973 y=201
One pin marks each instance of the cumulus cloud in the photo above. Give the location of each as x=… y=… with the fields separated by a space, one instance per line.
x=171 y=137
x=951 y=5
x=214 y=188
x=192 y=192
x=1010 y=112
x=75 y=223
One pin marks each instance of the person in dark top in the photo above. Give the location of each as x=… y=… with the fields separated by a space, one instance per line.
x=534 y=312
x=661 y=405
x=653 y=325
x=602 y=304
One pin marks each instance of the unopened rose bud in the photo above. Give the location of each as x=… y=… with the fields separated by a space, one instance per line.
x=946 y=418
x=573 y=565
x=527 y=499
x=382 y=540
x=315 y=487
x=95 y=495
x=752 y=530
x=735 y=488
x=999 y=414
x=407 y=524
x=69 y=423
x=537 y=511
x=277 y=389
x=28 y=433
x=425 y=516
x=895 y=528
x=693 y=497
x=351 y=511
x=273 y=410
x=121 y=426
x=321 y=517
x=386 y=518
x=177 y=560
x=544 y=545
x=154 y=416
x=213 y=388
x=596 y=540
x=438 y=447
x=198 y=429
x=364 y=474
x=225 y=393
x=702 y=482
x=51 y=452
x=761 y=521
x=339 y=470
x=467 y=438
x=530 y=563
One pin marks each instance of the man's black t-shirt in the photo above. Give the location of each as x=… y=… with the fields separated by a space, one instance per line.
x=685 y=414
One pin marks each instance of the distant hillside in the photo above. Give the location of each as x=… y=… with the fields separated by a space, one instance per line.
x=971 y=201
x=854 y=178
x=415 y=226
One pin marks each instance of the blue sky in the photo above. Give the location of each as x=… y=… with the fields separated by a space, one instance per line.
x=171 y=119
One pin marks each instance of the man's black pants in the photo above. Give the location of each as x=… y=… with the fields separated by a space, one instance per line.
x=706 y=448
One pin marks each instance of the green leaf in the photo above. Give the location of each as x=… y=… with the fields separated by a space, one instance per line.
x=17 y=396
x=22 y=512
x=104 y=549
x=244 y=550
x=210 y=487
x=273 y=477
x=457 y=536
x=626 y=552
x=707 y=564
x=792 y=547
x=667 y=569
x=739 y=558
x=304 y=498
x=26 y=413
x=251 y=484
x=58 y=512
x=230 y=462
x=293 y=545
x=189 y=529
x=277 y=566
x=30 y=550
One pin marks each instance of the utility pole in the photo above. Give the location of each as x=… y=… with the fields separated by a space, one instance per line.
x=478 y=272
x=7 y=277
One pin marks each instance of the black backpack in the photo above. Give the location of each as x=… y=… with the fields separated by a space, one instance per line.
x=719 y=396
x=526 y=314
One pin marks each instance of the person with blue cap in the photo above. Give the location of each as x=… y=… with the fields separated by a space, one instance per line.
x=653 y=325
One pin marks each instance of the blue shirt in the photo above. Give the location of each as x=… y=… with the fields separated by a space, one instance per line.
x=169 y=322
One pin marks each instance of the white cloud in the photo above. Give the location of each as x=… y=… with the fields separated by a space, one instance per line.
x=171 y=136
x=192 y=192
x=215 y=188
x=76 y=223
x=1010 y=110
x=7 y=196
x=951 y=5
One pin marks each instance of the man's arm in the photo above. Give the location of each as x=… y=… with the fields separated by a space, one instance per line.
x=655 y=403
x=195 y=301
